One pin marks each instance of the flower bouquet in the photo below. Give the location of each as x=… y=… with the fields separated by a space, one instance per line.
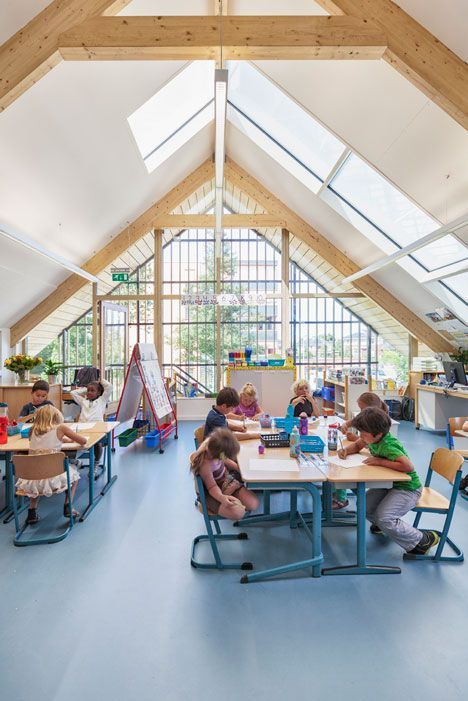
x=21 y=364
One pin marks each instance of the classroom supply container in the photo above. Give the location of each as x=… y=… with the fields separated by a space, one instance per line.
x=3 y=430
x=311 y=444
x=265 y=421
x=261 y=449
x=332 y=438
x=303 y=425
x=152 y=439
x=294 y=443
x=26 y=430
x=13 y=430
x=286 y=423
x=328 y=393
x=275 y=440
x=276 y=362
x=127 y=437
x=3 y=409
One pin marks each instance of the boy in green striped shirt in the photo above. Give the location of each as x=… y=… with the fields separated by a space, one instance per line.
x=385 y=507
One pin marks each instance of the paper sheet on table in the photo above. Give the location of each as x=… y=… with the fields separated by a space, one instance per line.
x=355 y=460
x=82 y=427
x=273 y=465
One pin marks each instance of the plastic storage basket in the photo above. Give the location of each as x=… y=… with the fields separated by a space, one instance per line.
x=276 y=363
x=142 y=426
x=311 y=444
x=284 y=423
x=26 y=430
x=152 y=439
x=14 y=430
x=275 y=440
x=127 y=437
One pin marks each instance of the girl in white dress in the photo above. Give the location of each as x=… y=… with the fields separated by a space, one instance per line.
x=47 y=436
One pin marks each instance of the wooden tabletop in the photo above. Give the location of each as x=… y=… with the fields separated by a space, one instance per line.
x=332 y=473
x=99 y=426
x=21 y=445
x=462 y=433
x=249 y=451
x=440 y=390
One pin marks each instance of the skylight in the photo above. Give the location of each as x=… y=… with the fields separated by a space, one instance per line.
x=174 y=114
x=262 y=103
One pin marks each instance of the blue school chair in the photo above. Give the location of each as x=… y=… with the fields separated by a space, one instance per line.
x=213 y=538
x=37 y=467
x=447 y=464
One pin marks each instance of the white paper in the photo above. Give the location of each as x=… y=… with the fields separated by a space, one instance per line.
x=354 y=460
x=273 y=465
x=82 y=427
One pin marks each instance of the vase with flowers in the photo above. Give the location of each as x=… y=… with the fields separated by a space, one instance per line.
x=20 y=364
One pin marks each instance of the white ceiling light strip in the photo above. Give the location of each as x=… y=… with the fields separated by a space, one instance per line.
x=447 y=271
x=40 y=250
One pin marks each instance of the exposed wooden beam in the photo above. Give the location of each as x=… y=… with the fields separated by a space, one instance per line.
x=249 y=38
x=116 y=246
x=33 y=51
x=220 y=7
x=207 y=221
x=300 y=228
x=415 y=53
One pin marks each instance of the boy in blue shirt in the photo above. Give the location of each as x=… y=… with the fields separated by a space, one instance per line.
x=226 y=401
x=385 y=507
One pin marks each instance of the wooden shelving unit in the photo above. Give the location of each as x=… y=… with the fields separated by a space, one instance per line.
x=346 y=394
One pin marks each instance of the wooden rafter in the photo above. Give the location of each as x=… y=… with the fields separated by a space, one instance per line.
x=238 y=177
x=33 y=51
x=116 y=247
x=190 y=38
x=415 y=53
x=207 y=221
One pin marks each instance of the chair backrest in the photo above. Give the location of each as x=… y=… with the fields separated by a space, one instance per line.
x=455 y=423
x=38 y=467
x=198 y=436
x=446 y=463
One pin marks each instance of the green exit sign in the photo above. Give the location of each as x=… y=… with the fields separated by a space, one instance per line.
x=119 y=277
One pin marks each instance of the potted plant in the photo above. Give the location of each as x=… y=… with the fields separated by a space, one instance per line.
x=461 y=356
x=52 y=369
x=20 y=364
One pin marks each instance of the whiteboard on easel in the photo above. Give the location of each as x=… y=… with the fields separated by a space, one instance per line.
x=153 y=379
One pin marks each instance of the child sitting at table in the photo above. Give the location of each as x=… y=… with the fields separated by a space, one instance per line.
x=93 y=400
x=386 y=507
x=226 y=401
x=47 y=435
x=39 y=394
x=365 y=400
x=224 y=493
x=248 y=407
x=303 y=400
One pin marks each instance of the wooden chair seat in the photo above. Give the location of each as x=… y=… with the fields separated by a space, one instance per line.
x=432 y=499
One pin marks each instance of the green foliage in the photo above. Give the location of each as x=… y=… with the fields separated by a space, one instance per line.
x=52 y=367
x=394 y=364
x=461 y=356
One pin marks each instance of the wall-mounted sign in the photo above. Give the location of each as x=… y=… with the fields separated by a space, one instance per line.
x=225 y=300
x=120 y=274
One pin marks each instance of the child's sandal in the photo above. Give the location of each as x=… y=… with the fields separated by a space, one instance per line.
x=337 y=504
x=66 y=511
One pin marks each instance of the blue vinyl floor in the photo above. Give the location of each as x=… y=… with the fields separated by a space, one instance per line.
x=115 y=612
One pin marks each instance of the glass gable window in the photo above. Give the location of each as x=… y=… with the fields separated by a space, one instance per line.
x=175 y=113
x=261 y=102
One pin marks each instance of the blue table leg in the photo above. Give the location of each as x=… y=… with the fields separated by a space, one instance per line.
x=361 y=566
x=315 y=537
x=92 y=500
x=7 y=512
x=110 y=479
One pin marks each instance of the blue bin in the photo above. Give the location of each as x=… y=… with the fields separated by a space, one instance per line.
x=152 y=439
x=311 y=444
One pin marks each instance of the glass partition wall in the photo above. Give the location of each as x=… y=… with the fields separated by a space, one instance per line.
x=323 y=333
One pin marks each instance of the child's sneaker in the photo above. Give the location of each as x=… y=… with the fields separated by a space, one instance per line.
x=32 y=517
x=375 y=530
x=429 y=539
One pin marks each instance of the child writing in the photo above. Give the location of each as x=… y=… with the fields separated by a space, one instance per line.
x=303 y=400
x=225 y=494
x=226 y=401
x=92 y=401
x=365 y=400
x=386 y=507
x=249 y=407
x=46 y=437
x=39 y=394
